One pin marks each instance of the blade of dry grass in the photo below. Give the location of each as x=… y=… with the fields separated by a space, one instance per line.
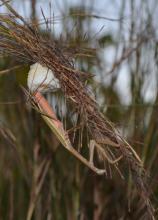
x=39 y=173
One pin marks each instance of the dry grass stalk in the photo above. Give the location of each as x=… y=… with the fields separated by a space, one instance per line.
x=26 y=43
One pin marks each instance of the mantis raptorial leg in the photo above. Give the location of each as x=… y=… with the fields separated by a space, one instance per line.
x=92 y=146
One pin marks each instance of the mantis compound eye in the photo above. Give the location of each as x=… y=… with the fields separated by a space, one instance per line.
x=41 y=79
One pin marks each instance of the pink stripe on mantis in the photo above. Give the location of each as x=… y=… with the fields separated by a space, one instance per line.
x=46 y=108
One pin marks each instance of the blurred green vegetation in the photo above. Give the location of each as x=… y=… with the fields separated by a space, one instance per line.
x=36 y=171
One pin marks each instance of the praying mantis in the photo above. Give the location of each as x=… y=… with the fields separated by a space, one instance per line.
x=57 y=127
x=41 y=78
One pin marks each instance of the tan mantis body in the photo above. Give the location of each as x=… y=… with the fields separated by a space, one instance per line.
x=57 y=127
